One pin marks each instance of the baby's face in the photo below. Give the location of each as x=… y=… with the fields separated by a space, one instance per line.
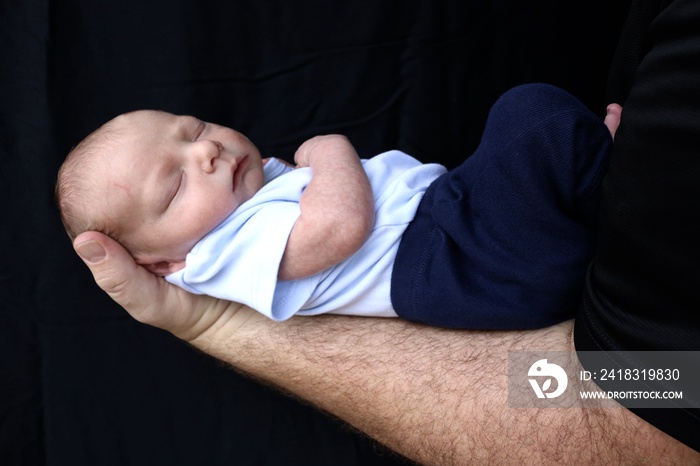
x=175 y=178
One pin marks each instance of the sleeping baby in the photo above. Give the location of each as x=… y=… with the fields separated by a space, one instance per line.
x=501 y=241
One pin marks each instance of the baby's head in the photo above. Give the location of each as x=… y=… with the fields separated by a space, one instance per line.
x=157 y=183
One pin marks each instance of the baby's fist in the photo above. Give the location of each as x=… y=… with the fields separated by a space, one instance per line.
x=319 y=145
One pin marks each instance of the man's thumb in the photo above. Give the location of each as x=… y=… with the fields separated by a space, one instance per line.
x=116 y=272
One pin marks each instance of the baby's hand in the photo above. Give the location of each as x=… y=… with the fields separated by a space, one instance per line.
x=319 y=145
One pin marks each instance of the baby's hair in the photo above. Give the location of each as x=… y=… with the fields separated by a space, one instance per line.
x=76 y=186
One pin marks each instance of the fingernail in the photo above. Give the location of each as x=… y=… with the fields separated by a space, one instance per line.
x=91 y=251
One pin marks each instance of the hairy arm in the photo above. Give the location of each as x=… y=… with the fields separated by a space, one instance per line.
x=337 y=208
x=436 y=396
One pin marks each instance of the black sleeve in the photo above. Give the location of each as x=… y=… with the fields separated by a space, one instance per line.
x=642 y=287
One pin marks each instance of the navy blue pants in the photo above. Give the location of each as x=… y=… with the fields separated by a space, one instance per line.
x=504 y=240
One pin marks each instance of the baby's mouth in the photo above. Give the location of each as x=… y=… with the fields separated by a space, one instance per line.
x=238 y=172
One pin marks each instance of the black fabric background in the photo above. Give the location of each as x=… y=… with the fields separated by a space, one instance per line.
x=83 y=384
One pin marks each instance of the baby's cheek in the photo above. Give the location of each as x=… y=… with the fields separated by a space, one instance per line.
x=213 y=217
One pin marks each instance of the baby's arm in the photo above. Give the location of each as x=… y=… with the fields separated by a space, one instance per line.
x=337 y=208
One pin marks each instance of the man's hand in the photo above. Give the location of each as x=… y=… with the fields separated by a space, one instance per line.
x=152 y=300
x=612 y=118
x=437 y=396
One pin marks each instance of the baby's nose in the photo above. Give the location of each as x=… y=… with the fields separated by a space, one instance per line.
x=207 y=151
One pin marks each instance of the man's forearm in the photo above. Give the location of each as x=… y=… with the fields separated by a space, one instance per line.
x=437 y=396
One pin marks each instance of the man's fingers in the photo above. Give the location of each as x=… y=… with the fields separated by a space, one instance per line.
x=115 y=271
x=612 y=118
x=152 y=300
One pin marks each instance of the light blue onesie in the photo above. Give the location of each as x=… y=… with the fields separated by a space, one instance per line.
x=239 y=260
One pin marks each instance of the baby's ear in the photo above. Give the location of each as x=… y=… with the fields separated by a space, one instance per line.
x=163 y=268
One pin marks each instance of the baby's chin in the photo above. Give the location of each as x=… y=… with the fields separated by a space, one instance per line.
x=163 y=268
